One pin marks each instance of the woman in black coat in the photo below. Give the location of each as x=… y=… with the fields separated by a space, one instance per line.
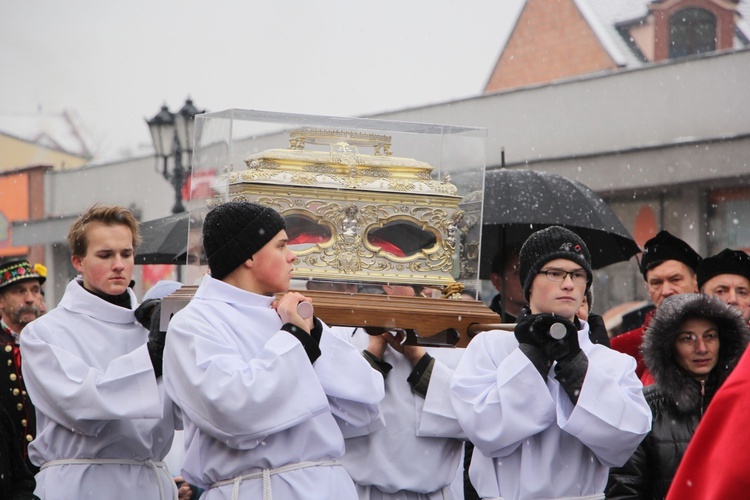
x=690 y=347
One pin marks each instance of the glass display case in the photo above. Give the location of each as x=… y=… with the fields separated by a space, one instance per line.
x=366 y=202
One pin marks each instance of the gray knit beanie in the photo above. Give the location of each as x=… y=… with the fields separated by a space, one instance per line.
x=549 y=244
x=234 y=231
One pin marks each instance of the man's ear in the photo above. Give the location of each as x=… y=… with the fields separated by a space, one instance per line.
x=76 y=261
x=496 y=280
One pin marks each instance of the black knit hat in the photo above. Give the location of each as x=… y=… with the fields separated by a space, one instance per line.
x=234 y=231
x=663 y=247
x=725 y=262
x=552 y=243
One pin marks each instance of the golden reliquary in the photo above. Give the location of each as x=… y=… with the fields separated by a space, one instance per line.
x=353 y=216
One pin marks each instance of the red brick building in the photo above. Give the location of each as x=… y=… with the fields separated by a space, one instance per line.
x=558 y=39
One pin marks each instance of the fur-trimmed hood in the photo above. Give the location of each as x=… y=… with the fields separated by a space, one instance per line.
x=659 y=346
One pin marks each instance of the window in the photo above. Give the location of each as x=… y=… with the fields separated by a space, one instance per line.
x=727 y=210
x=691 y=31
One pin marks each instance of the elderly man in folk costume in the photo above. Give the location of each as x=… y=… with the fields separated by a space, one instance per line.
x=104 y=421
x=548 y=411
x=20 y=293
x=267 y=394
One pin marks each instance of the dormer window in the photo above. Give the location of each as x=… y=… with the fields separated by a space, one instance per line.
x=691 y=31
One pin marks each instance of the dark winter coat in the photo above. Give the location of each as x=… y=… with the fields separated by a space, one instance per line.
x=677 y=400
x=13 y=396
x=16 y=481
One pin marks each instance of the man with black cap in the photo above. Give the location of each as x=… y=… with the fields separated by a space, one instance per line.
x=727 y=276
x=668 y=265
x=20 y=292
x=548 y=411
x=268 y=393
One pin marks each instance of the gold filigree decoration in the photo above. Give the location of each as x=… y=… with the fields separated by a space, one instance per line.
x=346 y=154
x=435 y=217
x=401 y=186
x=277 y=203
x=303 y=179
x=262 y=164
x=441 y=188
x=319 y=168
x=374 y=172
x=269 y=165
x=441 y=261
x=255 y=175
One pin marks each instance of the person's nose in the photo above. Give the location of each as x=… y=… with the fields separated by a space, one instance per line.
x=700 y=345
x=667 y=290
x=118 y=264
x=567 y=282
x=731 y=298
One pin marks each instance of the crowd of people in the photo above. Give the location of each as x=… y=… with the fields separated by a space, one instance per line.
x=275 y=403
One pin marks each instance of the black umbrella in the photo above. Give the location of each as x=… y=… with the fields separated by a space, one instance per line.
x=165 y=240
x=519 y=202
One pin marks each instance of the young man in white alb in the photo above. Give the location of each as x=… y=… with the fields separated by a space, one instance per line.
x=548 y=411
x=268 y=396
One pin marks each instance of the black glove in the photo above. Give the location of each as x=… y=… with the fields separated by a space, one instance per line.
x=598 y=330
x=522 y=329
x=145 y=312
x=572 y=363
x=571 y=374
x=560 y=350
x=148 y=314
x=528 y=344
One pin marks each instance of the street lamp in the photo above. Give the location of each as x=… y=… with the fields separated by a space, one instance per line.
x=172 y=134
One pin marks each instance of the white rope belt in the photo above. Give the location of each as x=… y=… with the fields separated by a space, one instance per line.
x=266 y=474
x=154 y=466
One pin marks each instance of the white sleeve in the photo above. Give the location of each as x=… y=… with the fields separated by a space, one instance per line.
x=233 y=399
x=353 y=388
x=499 y=397
x=611 y=417
x=436 y=416
x=83 y=397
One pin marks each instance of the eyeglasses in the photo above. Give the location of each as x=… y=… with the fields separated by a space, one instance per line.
x=578 y=276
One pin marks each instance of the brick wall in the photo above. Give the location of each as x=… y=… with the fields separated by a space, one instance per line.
x=550 y=41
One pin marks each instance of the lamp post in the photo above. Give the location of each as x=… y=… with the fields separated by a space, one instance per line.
x=172 y=134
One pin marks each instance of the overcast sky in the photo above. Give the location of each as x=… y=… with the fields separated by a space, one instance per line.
x=116 y=63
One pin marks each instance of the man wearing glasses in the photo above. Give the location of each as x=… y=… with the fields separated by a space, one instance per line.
x=548 y=411
x=669 y=267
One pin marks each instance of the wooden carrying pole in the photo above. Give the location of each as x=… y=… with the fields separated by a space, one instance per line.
x=427 y=317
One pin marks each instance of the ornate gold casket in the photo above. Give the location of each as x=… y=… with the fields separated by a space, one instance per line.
x=355 y=216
